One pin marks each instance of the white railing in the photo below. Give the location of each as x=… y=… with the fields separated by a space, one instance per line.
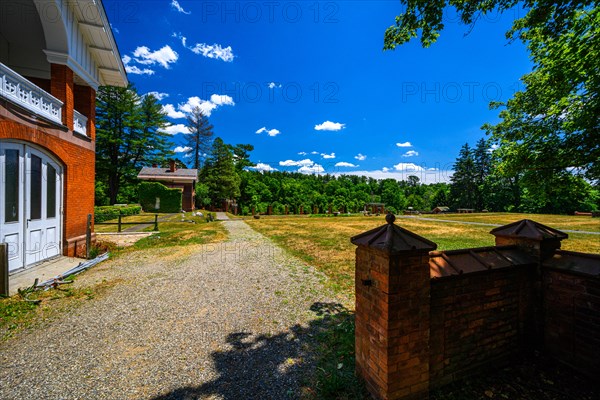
x=18 y=90
x=79 y=122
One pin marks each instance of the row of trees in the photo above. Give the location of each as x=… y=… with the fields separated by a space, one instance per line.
x=480 y=181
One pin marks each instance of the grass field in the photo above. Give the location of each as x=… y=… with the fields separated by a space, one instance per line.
x=569 y=222
x=325 y=242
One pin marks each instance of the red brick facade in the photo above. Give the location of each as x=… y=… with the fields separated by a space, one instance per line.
x=62 y=87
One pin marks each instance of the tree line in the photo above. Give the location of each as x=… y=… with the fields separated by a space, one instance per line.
x=130 y=135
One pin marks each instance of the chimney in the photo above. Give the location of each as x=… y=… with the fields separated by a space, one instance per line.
x=172 y=166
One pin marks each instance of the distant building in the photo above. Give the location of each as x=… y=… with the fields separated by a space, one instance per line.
x=440 y=210
x=184 y=179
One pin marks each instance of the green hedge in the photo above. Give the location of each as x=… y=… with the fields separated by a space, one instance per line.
x=106 y=213
x=170 y=199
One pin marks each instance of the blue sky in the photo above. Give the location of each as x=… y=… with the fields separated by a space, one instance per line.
x=307 y=83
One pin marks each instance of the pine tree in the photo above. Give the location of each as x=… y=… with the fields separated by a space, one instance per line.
x=128 y=136
x=200 y=136
x=219 y=174
x=483 y=162
x=463 y=188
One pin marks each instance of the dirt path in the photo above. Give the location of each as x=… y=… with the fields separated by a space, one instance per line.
x=227 y=321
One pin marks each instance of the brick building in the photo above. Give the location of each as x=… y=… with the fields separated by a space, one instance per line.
x=53 y=56
x=172 y=177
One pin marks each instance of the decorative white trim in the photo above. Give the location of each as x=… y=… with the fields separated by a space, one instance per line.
x=79 y=122
x=24 y=93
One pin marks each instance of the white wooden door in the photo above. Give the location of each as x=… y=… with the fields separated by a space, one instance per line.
x=42 y=208
x=30 y=204
x=12 y=215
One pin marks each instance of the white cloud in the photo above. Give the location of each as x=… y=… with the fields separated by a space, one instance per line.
x=261 y=167
x=385 y=169
x=273 y=85
x=135 y=70
x=345 y=164
x=180 y=149
x=222 y=99
x=302 y=153
x=206 y=106
x=408 y=167
x=330 y=126
x=171 y=112
x=302 y=163
x=214 y=51
x=306 y=166
x=159 y=95
x=211 y=51
x=405 y=144
x=270 y=132
x=328 y=156
x=410 y=153
x=314 y=152
x=175 y=5
x=311 y=169
x=360 y=157
x=176 y=128
x=164 y=56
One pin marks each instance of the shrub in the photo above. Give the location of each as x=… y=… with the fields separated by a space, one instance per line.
x=170 y=199
x=106 y=213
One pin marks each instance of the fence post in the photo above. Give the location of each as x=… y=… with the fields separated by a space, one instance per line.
x=119 y=229
x=392 y=312
x=88 y=236
x=4 y=269
x=155 y=222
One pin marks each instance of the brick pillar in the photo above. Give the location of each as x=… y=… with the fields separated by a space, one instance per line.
x=85 y=103
x=61 y=87
x=270 y=210
x=541 y=242
x=393 y=312
x=253 y=210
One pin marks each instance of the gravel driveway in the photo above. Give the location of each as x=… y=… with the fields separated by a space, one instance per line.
x=226 y=321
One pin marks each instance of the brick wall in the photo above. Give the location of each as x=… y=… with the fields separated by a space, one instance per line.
x=478 y=321
x=77 y=157
x=572 y=319
x=424 y=320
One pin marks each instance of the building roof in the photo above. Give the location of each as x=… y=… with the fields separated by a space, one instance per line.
x=393 y=239
x=102 y=43
x=165 y=174
x=528 y=229
x=456 y=262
